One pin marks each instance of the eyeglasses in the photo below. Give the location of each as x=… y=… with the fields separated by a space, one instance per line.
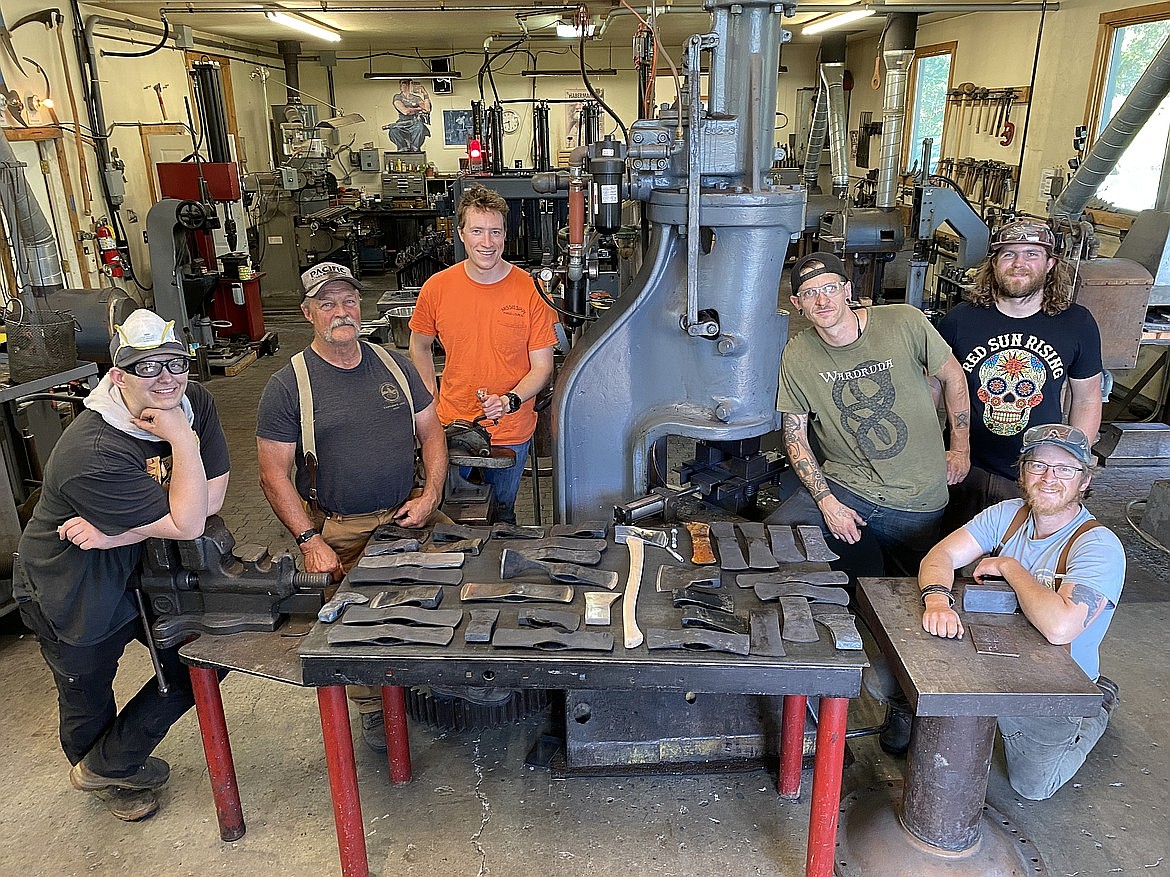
x=813 y=292
x=1039 y=467
x=152 y=368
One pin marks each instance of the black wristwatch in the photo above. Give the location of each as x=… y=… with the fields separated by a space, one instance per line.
x=306 y=536
x=514 y=402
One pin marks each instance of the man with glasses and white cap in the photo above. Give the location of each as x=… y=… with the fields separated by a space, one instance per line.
x=1021 y=342
x=1067 y=571
x=148 y=458
x=863 y=375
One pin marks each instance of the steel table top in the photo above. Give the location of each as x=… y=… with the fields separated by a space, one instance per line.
x=809 y=668
x=947 y=677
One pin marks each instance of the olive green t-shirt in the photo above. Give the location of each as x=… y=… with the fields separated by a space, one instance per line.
x=874 y=418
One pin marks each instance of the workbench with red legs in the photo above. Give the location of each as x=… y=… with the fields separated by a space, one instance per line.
x=814 y=670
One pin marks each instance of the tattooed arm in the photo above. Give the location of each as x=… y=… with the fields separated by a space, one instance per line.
x=1061 y=616
x=842 y=521
x=954 y=389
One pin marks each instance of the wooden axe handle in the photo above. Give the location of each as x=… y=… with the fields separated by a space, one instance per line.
x=701 y=552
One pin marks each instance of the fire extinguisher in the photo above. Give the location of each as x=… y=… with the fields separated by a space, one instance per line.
x=111 y=258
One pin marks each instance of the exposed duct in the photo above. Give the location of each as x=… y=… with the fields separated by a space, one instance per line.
x=833 y=85
x=290 y=51
x=37 y=257
x=816 y=142
x=1143 y=100
x=898 y=55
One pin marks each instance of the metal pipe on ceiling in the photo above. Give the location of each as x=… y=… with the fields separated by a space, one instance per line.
x=879 y=8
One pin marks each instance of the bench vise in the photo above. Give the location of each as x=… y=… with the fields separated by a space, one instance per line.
x=211 y=585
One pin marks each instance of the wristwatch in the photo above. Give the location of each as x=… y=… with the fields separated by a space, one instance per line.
x=306 y=536
x=514 y=402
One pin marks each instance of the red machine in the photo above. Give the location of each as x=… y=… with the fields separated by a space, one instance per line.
x=235 y=301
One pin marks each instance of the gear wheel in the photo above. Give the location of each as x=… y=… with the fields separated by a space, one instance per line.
x=441 y=710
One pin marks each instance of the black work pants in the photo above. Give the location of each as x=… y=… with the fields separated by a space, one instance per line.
x=116 y=743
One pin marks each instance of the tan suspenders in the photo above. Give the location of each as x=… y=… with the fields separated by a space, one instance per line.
x=305 y=394
x=1021 y=518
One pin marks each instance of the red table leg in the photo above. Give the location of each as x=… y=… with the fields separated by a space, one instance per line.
x=826 y=791
x=347 y=807
x=218 y=750
x=792 y=745
x=397 y=737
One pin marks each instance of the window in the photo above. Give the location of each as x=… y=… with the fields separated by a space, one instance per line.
x=930 y=80
x=1129 y=40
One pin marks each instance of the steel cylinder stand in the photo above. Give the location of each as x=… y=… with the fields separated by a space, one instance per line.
x=938 y=822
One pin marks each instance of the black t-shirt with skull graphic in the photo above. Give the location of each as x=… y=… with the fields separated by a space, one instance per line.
x=1016 y=370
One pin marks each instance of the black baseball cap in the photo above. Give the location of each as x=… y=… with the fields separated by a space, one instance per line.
x=814 y=265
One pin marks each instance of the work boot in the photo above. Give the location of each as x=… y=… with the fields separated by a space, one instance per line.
x=129 y=805
x=154 y=773
x=1110 y=694
x=895 y=739
x=374 y=731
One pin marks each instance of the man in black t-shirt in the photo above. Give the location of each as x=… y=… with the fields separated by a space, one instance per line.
x=365 y=428
x=1020 y=341
x=148 y=458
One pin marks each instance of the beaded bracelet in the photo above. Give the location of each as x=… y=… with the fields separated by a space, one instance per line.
x=938 y=589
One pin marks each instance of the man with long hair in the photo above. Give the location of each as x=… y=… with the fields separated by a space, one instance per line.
x=1021 y=341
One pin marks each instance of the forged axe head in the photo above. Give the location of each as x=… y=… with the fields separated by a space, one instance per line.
x=500 y=530
x=657 y=538
x=513 y=563
x=398 y=546
x=457 y=533
x=425 y=560
x=466 y=546
x=673 y=578
x=583 y=557
x=390 y=532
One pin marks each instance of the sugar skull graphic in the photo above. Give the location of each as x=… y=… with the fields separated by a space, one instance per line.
x=1010 y=386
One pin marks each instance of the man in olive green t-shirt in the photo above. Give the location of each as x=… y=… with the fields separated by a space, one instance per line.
x=863 y=375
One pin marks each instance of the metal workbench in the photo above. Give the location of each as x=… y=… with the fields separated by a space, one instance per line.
x=942 y=823
x=809 y=669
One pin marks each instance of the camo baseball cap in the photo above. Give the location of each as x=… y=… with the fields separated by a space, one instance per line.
x=144 y=334
x=1023 y=231
x=314 y=280
x=1061 y=435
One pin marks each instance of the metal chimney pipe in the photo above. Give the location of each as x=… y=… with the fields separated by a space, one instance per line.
x=290 y=51
x=38 y=253
x=816 y=141
x=898 y=55
x=833 y=83
x=1147 y=95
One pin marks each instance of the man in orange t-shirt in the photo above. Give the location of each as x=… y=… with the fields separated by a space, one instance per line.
x=498 y=336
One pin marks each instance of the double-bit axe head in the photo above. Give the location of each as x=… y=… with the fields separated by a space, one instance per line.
x=657 y=538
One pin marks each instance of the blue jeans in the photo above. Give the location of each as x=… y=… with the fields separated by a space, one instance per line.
x=506 y=482
x=893 y=542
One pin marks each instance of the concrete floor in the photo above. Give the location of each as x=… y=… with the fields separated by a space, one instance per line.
x=475 y=809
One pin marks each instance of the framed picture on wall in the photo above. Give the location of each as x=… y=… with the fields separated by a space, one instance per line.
x=457 y=128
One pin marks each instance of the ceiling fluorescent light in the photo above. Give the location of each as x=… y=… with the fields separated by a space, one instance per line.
x=567 y=30
x=603 y=71
x=837 y=19
x=454 y=74
x=304 y=26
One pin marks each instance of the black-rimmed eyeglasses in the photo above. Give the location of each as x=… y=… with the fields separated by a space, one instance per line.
x=152 y=368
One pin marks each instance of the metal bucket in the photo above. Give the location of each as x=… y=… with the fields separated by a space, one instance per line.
x=399 y=319
x=40 y=344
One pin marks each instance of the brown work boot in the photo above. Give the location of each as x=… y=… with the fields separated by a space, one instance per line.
x=129 y=805
x=154 y=773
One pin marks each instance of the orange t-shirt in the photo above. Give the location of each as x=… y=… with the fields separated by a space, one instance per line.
x=487 y=331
